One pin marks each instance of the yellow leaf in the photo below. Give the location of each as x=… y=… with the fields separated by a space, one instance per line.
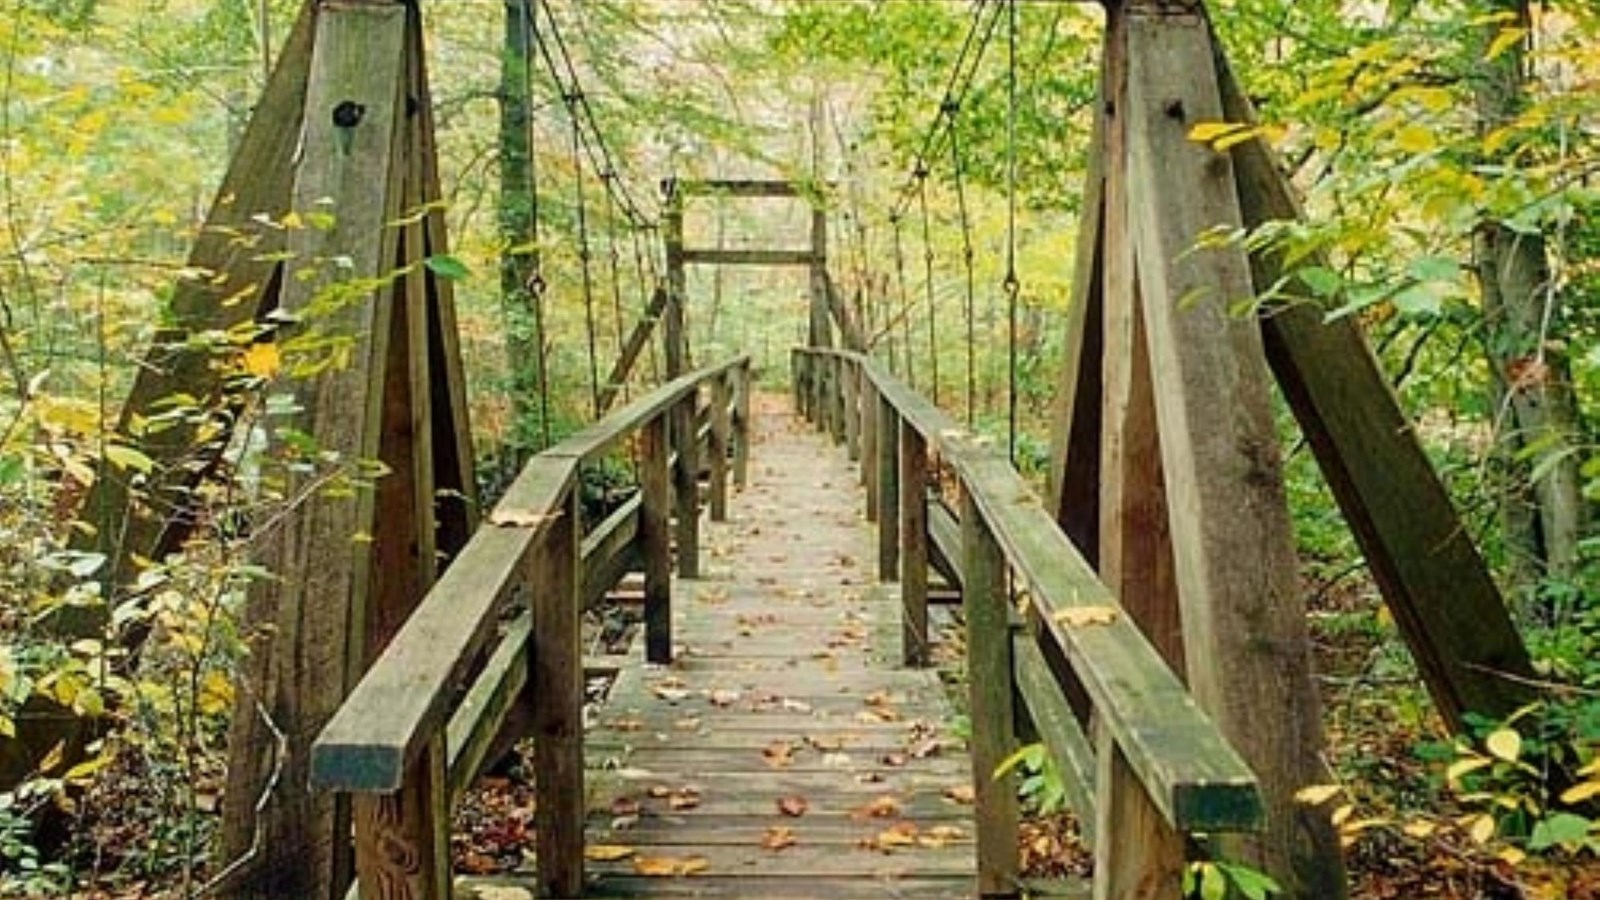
x=1207 y=132
x=606 y=852
x=1465 y=766
x=1581 y=792
x=261 y=360
x=1505 y=744
x=669 y=866
x=519 y=518
x=1482 y=828
x=1505 y=40
x=1511 y=856
x=1084 y=616
x=1415 y=139
x=1317 y=794
x=129 y=459
x=1419 y=829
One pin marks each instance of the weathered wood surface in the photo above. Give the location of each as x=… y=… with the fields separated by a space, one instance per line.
x=1244 y=628
x=309 y=624
x=786 y=641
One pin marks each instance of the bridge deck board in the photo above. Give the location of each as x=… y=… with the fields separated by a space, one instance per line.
x=785 y=641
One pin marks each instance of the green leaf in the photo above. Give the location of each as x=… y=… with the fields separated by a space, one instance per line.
x=12 y=469
x=447 y=267
x=1322 y=281
x=1213 y=884
x=1561 y=829
x=1434 y=268
x=129 y=458
x=1417 y=300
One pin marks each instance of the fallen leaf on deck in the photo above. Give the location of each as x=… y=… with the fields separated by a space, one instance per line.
x=778 y=754
x=684 y=798
x=960 y=793
x=893 y=760
x=628 y=725
x=941 y=836
x=778 y=837
x=793 y=805
x=606 y=852
x=669 y=866
x=798 y=706
x=898 y=835
x=474 y=863
x=885 y=806
x=1085 y=616
x=659 y=791
x=625 y=806
x=724 y=698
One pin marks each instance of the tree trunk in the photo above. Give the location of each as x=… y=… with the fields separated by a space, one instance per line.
x=519 y=258
x=1522 y=311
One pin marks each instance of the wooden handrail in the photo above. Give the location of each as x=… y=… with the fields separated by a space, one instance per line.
x=405 y=710
x=1074 y=659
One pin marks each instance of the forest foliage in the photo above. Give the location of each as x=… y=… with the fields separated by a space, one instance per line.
x=1417 y=132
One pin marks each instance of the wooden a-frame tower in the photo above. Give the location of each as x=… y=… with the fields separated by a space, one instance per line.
x=324 y=229
x=1166 y=469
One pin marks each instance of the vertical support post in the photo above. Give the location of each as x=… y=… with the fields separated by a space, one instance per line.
x=721 y=427
x=836 y=393
x=1137 y=855
x=654 y=511
x=820 y=402
x=888 y=491
x=913 y=545
x=987 y=604
x=741 y=427
x=557 y=667
x=403 y=838
x=797 y=379
x=686 y=484
x=821 y=330
x=673 y=332
x=849 y=401
x=870 y=437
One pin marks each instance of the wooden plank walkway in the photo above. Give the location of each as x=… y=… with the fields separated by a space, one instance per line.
x=784 y=753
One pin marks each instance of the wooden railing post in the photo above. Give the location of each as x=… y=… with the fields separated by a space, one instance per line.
x=1136 y=853
x=869 y=444
x=557 y=666
x=403 y=839
x=913 y=545
x=656 y=541
x=836 y=397
x=721 y=399
x=741 y=427
x=987 y=604
x=797 y=377
x=849 y=401
x=686 y=486
x=819 y=392
x=888 y=491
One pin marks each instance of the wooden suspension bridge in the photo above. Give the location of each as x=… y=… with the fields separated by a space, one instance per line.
x=778 y=732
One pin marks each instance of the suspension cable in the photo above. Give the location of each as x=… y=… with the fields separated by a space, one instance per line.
x=963 y=214
x=616 y=270
x=896 y=222
x=1012 y=286
x=536 y=281
x=927 y=259
x=587 y=275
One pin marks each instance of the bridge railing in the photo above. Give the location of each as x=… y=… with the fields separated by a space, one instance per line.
x=1144 y=767
x=408 y=740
